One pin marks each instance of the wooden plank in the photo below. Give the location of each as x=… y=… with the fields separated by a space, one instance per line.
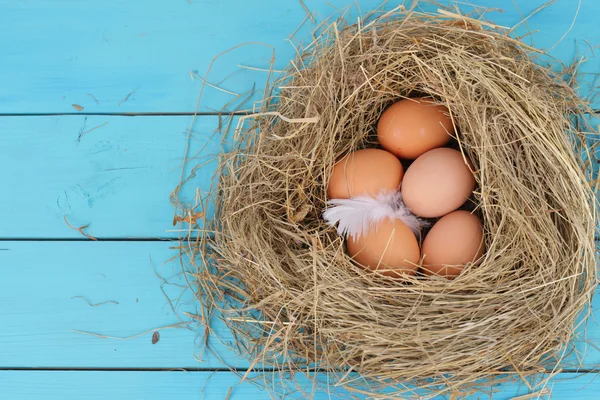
x=39 y=287
x=114 y=173
x=126 y=385
x=117 y=177
x=136 y=56
x=39 y=282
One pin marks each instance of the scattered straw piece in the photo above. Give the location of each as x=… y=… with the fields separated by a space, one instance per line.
x=80 y=229
x=229 y=393
x=127 y=97
x=94 y=98
x=190 y=218
x=536 y=395
x=83 y=133
x=98 y=335
x=308 y=13
x=193 y=74
x=95 y=304
x=308 y=120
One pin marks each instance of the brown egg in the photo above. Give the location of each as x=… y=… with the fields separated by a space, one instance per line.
x=391 y=247
x=455 y=240
x=365 y=172
x=437 y=183
x=412 y=127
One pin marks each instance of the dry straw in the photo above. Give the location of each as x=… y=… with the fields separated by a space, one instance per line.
x=280 y=279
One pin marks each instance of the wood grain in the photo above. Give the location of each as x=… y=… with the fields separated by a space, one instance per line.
x=113 y=173
x=136 y=56
x=50 y=289
x=145 y=385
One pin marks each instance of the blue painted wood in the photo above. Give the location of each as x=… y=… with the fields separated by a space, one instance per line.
x=114 y=173
x=144 y=385
x=111 y=56
x=117 y=177
x=38 y=311
x=136 y=56
x=40 y=285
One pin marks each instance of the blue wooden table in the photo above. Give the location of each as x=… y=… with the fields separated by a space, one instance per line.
x=95 y=101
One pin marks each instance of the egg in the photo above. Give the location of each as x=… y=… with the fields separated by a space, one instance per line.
x=390 y=248
x=455 y=240
x=437 y=183
x=412 y=127
x=365 y=172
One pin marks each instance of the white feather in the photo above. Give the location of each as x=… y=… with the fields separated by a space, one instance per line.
x=356 y=216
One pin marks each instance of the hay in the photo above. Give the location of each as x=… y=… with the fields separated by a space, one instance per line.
x=280 y=278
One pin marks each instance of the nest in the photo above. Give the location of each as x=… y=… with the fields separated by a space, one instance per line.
x=280 y=277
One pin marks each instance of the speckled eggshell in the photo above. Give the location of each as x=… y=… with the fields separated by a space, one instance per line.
x=437 y=183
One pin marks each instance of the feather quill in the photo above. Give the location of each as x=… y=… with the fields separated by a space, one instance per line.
x=356 y=216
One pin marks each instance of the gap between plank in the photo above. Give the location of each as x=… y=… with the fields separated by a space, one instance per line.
x=128 y=114
x=191 y=369
x=83 y=239
x=107 y=369
x=148 y=114
x=116 y=239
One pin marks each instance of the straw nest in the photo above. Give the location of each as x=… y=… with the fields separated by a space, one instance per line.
x=280 y=277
